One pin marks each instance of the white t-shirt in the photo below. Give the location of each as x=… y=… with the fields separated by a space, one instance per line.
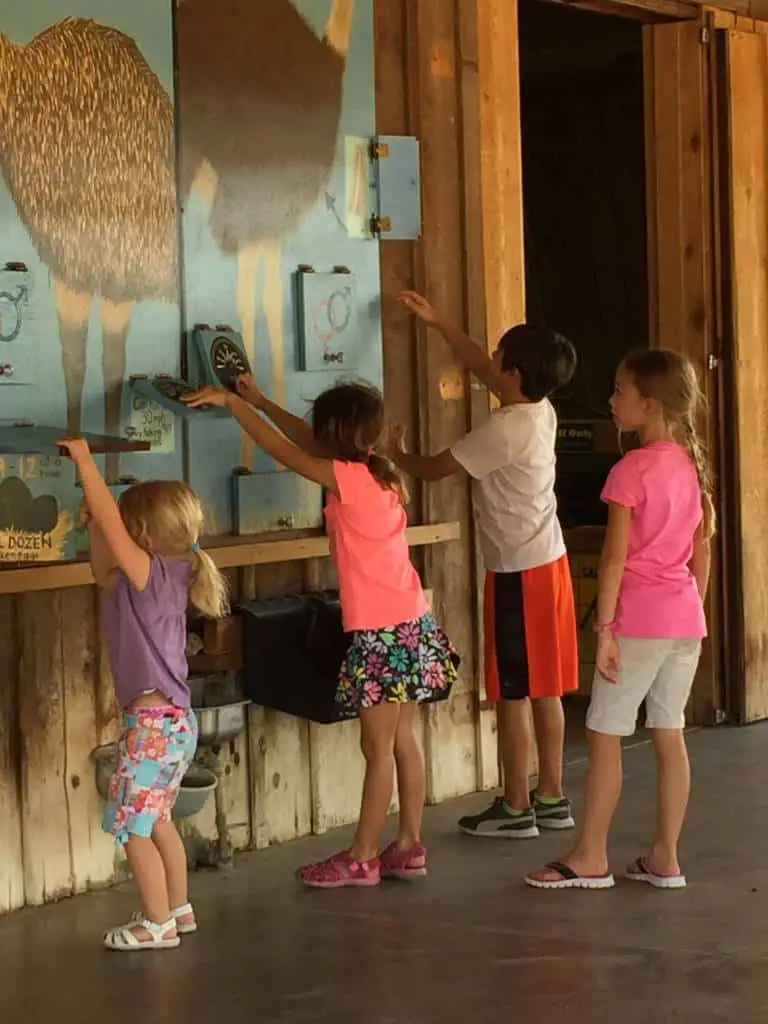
x=511 y=459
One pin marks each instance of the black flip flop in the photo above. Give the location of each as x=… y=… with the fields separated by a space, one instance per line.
x=569 y=879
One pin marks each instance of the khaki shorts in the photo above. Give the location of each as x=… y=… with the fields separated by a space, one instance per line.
x=659 y=672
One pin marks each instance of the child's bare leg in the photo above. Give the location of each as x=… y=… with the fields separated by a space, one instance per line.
x=604 y=777
x=549 y=726
x=378 y=726
x=171 y=849
x=589 y=857
x=674 y=788
x=516 y=749
x=148 y=871
x=411 y=777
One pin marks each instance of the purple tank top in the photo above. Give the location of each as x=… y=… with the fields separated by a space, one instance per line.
x=146 y=633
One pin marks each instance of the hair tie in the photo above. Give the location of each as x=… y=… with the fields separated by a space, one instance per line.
x=195 y=547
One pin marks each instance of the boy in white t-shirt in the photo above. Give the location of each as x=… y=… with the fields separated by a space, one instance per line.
x=531 y=638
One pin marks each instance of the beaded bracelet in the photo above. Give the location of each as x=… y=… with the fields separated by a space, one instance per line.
x=603 y=627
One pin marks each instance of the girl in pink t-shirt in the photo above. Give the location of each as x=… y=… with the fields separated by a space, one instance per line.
x=398 y=656
x=653 y=577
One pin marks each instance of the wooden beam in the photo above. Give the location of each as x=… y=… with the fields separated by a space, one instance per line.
x=262 y=552
x=671 y=10
x=640 y=10
x=502 y=168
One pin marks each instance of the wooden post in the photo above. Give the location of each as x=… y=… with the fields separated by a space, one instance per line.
x=680 y=233
x=439 y=272
x=11 y=847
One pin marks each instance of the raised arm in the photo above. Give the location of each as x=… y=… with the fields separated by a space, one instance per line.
x=469 y=352
x=421 y=467
x=266 y=437
x=103 y=564
x=114 y=546
x=294 y=427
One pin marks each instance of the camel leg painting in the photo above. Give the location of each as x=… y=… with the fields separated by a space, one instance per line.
x=339 y=27
x=273 y=304
x=206 y=183
x=115 y=324
x=73 y=310
x=248 y=260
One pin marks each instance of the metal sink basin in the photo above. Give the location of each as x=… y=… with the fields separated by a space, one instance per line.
x=196 y=787
x=221 y=723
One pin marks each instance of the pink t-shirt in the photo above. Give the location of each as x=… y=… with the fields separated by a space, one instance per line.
x=366 y=526
x=658 y=596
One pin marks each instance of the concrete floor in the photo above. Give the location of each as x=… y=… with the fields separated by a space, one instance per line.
x=469 y=943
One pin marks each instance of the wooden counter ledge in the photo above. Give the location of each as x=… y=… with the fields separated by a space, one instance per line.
x=228 y=553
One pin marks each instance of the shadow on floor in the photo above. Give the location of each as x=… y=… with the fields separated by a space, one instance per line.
x=469 y=943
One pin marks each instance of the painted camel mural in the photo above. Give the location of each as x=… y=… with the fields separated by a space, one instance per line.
x=87 y=152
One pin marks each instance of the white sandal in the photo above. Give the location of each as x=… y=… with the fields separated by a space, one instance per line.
x=183 y=929
x=124 y=940
x=185 y=911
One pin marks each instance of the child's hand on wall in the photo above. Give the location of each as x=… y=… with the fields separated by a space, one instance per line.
x=75 y=447
x=421 y=308
x=248 y=390
x=84 y=513
x=395 y=441
x=220 y=397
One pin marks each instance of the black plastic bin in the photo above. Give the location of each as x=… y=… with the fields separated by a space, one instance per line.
x=293 y=649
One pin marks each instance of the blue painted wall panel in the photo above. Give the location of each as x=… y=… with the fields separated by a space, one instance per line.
x=320 y=239
x=272 y=174
x=77 y=166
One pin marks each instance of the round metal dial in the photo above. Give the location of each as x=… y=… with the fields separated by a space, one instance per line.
x=228 y=360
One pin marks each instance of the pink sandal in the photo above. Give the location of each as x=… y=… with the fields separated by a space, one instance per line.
x=341 y=871
x=397 y=863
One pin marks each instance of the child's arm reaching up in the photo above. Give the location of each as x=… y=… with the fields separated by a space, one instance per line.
x=106 y=525
x=294 y=428
x=266 y=437
x=471 y=354
x=103 y=564
x=421 y=467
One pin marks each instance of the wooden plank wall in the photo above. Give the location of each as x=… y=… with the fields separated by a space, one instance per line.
x=747 y=78
x=681 y=264
x=286 y=778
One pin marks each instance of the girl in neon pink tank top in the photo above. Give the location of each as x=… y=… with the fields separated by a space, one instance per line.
x=398 y=657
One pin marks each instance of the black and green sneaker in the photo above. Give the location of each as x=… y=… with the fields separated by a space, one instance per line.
x=552 y=812
x=501 y=822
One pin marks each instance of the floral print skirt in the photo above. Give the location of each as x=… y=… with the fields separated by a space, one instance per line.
x=414 y=661
x=155 y=750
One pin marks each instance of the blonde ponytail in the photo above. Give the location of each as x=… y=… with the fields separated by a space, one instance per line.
x=388 y=475
x=208 y=588
x=698 y=453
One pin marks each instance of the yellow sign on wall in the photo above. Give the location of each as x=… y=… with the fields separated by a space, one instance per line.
x=37 y=495
x=27 y=546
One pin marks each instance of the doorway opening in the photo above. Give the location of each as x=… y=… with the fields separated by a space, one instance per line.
x=586 y=256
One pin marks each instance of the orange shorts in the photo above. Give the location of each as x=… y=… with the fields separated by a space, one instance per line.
x=531 y=636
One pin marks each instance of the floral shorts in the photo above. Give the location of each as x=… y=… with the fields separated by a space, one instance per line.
x=155 y=750
x=414 y=661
